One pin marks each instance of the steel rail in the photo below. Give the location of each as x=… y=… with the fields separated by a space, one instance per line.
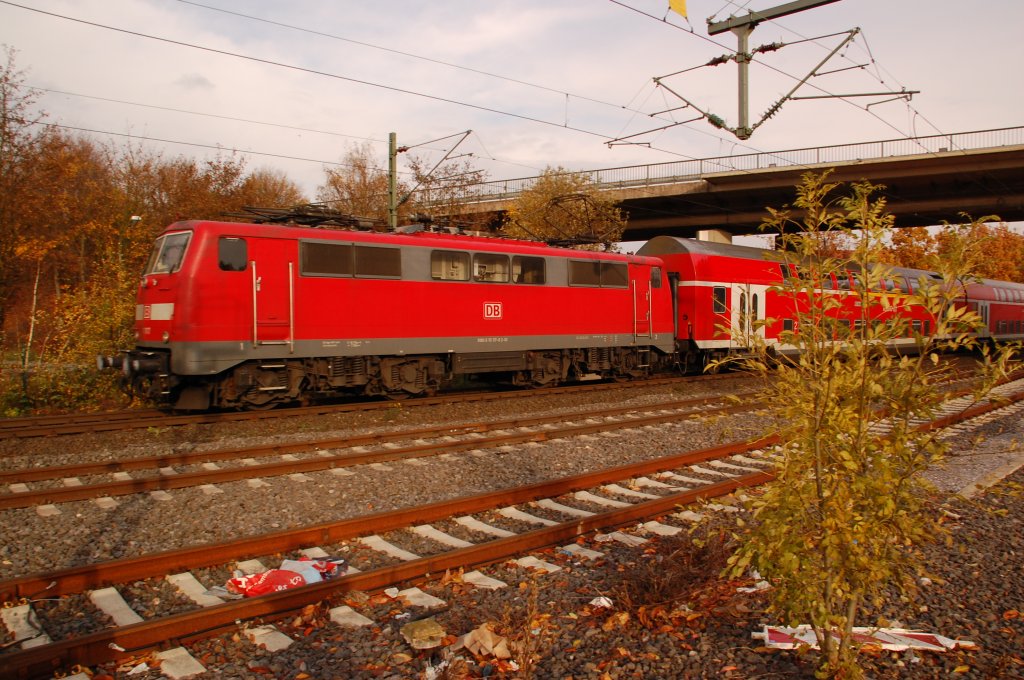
x=10 y=428
x=187 y=479
x=78 y=579
x=111 y=644
x=194 y=457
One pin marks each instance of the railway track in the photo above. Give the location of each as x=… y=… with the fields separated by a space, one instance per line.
x=564 y=509
x=64 y=483
x=595 y=490
x=112 y=421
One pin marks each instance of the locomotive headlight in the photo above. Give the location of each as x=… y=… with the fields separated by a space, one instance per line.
x=136 y=335
x=166 y=336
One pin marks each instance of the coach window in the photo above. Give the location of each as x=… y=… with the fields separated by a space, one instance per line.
x=528 y=269
x=490 y=267
x=784 y=268
x=449 y=265
x=232 y=254
x=655 y=277
x=325 y=259
x=718 y=294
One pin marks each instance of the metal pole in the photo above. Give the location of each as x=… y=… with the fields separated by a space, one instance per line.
x=743 y=130
x=392 y=180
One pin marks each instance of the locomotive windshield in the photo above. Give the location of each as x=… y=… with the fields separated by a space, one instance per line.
x=167 y=254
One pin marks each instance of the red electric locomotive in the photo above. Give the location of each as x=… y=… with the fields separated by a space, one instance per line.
x=253 y=315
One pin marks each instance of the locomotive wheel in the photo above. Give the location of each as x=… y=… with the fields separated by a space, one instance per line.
x=250 y=404
x=266 y=406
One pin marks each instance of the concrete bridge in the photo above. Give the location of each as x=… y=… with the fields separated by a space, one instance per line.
x=928 y=180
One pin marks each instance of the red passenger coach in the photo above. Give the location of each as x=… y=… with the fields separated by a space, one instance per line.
x=251 y=315
x=723 y=291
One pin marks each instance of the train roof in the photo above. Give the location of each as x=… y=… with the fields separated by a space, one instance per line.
x=422 y=238
x=673 y=245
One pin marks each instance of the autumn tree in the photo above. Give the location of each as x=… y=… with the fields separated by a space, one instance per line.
x=359 y=186
x=919 y=247
x=564 y=206
x=998 y=250
x=441 y=191
x=910 y=247
x=270 y=189
x=842 y=522
x=16 y=147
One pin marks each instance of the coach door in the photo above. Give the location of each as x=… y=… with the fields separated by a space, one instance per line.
x=641 y=305
x=748 y=305
x=986 y=326
x=273 y=291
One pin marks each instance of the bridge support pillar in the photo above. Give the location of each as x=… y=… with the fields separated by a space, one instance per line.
x=714 y=236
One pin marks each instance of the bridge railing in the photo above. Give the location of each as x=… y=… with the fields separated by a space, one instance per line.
x=680 y=171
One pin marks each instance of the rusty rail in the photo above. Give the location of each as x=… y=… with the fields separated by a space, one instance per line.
x=97 y=647
x=188 y=479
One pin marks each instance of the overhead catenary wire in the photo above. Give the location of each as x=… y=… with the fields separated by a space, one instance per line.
x=410 y=55
x=252 y=121
x=216 y=147
x=303 y=69
x=398 y=90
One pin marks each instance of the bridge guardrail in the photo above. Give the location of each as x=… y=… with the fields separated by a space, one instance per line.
x=681 y=171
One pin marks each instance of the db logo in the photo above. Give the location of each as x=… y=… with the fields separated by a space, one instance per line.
x=492 y=310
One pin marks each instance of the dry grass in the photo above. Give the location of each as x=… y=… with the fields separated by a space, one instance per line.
x=676 y=569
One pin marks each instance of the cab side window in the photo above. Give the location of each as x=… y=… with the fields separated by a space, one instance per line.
x=232 y=254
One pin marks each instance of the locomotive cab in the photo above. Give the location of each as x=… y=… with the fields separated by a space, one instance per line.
x=147 y=368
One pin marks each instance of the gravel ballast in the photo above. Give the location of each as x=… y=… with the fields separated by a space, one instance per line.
x=974 y=591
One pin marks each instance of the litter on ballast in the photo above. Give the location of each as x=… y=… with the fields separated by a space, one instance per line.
x=482 y=641
x=292 y=574
x=423 y=634
x=894 y=639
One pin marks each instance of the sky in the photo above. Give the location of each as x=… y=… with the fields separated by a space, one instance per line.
x=540 y=83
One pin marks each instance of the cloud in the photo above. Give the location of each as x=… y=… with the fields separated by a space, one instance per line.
x=194 y=82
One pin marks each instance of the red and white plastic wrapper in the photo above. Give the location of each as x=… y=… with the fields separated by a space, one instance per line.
x=292 y=574
x=896 y=639
x=269 y=581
